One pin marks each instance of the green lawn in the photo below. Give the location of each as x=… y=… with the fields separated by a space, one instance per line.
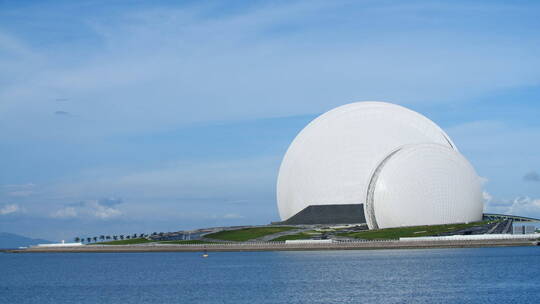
x=396 y=233
x=246 y=234
x=299 y=236
x=186 y=242
x=124 y=242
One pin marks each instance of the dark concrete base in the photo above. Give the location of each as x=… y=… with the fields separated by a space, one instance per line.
x=327 y=214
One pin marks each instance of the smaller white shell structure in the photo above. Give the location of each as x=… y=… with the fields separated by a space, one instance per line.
x=423 y=184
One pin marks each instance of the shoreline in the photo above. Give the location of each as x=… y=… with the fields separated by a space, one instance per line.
x=263 y=246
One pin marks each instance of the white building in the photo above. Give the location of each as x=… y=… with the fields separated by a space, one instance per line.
x=61 y=244
x=400 y=166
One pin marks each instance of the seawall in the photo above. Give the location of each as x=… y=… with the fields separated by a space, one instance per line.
x=269 y=246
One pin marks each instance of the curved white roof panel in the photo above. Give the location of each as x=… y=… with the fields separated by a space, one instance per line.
x=423 y=184
x=331 y=160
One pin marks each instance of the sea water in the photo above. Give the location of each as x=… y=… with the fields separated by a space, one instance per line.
x=473 y=275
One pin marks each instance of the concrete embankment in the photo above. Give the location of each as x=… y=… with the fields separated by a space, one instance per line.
x=269 y=246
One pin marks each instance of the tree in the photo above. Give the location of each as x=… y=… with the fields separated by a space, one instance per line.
x=95 y=239
x=108 y=237
x=77 y=239
x=128 y=237
x=102 y=237
x=121 y=236
x=115 y=237
x=134 y=236
x=88 y=239
x=141 y=235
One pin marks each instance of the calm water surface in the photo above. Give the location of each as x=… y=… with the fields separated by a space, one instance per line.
x=484 y=275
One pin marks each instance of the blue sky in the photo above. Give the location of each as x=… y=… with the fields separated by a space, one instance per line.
x=122 y=117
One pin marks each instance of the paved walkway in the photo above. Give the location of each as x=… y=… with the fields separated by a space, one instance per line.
x=270 y=237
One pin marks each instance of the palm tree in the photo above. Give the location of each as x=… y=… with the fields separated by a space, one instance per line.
x=77 y=239
x=89 y=239
x=128 y=237
x=121 y=236
x=102 y=237
x=141 y=235
x=108 y=237
x=134 y=236
x=115 y=237
x=95 y=239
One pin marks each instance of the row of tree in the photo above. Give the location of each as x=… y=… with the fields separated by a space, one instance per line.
x=114 y=237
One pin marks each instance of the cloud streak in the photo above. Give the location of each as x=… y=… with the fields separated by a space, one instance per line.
x=101 y=209
x=9 y=208
x=523 y=205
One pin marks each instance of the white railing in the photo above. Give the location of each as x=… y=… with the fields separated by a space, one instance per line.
x=474 y=237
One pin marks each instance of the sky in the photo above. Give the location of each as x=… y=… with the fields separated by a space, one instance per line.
x=131 y=116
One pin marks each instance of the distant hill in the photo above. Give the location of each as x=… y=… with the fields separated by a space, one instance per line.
x=10 y=240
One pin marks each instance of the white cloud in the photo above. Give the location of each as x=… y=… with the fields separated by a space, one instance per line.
x=9 y=208
x=487 y=197
x=66 y=212
x=483 y=180
x=103 y=212
x=90 y=208
x=522 y=206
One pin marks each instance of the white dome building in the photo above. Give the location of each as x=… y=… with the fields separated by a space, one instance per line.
x=398 y=166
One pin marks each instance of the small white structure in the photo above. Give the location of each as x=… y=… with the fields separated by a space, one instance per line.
x=62 y=244
x=523 y=229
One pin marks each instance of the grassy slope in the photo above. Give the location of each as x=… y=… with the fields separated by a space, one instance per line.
x=124 y=242
x=396 y=233
x=246 y=233
x=298 y=236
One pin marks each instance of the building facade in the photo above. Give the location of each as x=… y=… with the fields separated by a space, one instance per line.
x=398 y=165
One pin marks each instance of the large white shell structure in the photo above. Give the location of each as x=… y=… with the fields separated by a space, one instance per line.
x=332 y=160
